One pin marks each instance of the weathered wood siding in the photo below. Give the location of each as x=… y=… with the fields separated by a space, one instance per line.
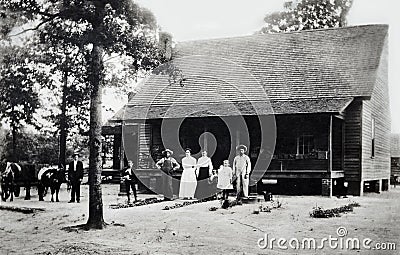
x=377 y=109
x=145 y=161
x=352 y=144
x=130 y=140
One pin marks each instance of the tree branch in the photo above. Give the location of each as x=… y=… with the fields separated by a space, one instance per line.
x=110 y=58
x=34 y=28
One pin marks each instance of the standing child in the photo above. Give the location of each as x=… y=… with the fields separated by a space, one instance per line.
x=212 y=184
x=225 y=175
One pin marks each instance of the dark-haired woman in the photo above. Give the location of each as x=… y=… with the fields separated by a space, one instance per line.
x=204 y=171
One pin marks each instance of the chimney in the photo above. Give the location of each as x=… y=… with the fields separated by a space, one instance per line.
x=165 y=44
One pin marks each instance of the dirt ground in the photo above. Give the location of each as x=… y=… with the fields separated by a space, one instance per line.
x=194 y=229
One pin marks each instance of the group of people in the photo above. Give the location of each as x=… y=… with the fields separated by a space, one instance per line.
x=199 y=177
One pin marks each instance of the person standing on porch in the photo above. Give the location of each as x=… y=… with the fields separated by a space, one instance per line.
x=75 y=176
x=168 y=165
x=188 y=181
x=204 y=171
x=241 y=170
x=130 y=181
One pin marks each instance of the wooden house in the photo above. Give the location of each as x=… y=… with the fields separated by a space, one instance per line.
x=328 y=93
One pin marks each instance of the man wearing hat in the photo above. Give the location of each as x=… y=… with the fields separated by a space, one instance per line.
x=167 y=165
x=75 y=176
x=241 y=170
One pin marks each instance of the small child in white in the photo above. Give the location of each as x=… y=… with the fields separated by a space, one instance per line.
x=225 y=175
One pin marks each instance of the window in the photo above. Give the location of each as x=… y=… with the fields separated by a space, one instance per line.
x=305 y=144
x=372 y=138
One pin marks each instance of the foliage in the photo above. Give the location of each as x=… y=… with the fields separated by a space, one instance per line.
x=187 y=203
x=33 y=147
x=319 y=212
x=67 y=62
x=19 y=81
x=99 y=27
x=146 y=201
x=2 y=141
x=308 y=14
x=77 y=143
x=125 y=27
x=9 y=20
x=65 y=39
x=41 y=148
x=18 y=86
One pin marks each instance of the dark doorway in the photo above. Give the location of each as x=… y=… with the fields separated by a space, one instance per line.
x=211 y=134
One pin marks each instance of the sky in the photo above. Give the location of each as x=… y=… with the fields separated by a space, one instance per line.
x=195 y=19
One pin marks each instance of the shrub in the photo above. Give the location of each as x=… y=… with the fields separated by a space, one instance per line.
x=319 y=212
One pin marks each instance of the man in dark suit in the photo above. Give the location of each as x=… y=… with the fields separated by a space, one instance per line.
x=75 y=176
x=130 y=180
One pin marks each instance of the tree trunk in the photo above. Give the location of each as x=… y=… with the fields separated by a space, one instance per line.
x=95 y=195
x=63 y=122
x=14 y=156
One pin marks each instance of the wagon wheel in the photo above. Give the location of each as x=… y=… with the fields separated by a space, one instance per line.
x=5 y=193
x=17 y=190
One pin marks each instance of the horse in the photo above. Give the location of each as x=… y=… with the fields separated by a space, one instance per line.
x=8 y=176
x=50 y=177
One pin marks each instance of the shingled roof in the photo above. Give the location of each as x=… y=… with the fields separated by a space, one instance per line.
x=301 y=72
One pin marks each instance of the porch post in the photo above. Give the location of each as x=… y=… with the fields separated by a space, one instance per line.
x=361 y=188
x=122 y=188
x=327 y=185
x=330 y=167
x=122 y=155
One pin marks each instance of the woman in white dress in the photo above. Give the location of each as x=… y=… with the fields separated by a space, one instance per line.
x=188 y=180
